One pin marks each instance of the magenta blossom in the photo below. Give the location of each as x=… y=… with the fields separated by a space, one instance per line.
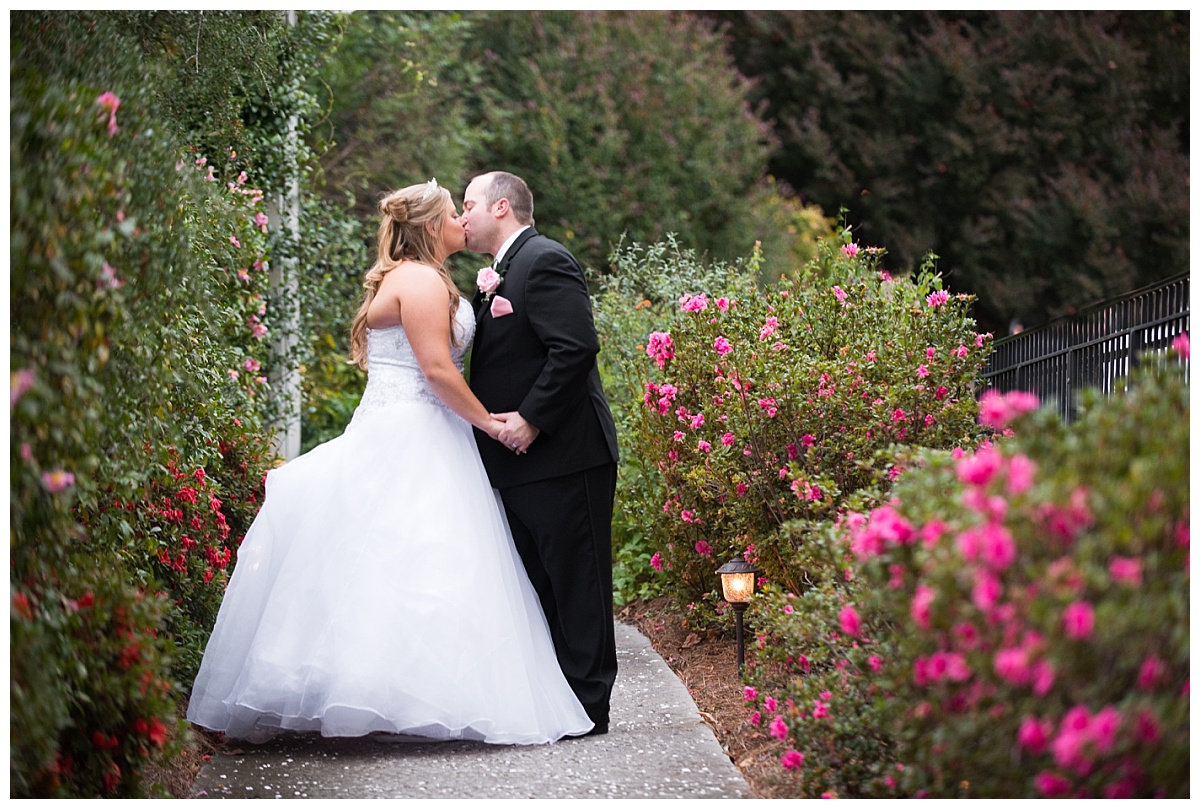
x=1079 y=619
x=694 y=303
x=922 y=605
x=703 y=548
x=937 y=298
x=656 y=561
x=850 y=622
x=1182 y=346
x=1034 y=734
x=109 y=101
x=57 y=480
x=841 y=296
x=1052 y=785
x=792 y=760
x=778 y=728
x=922 y=371
x=723 y=305
x=750 y=693
x=660 y=347
x=850 y=250
x=721 y=346
x=728 y=439
x=997 y=409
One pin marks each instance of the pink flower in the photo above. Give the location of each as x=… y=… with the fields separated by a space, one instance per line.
x=728 y=439
x=849 y=250
x=1146 y=728
x=941 y=392
x=870 y=356
x=997 y=409
x=1052 y=785
x=987 y=590
x=688 y=516
x=821 y=710
x=979 y=468
x=937 y=298
x=1012 y=665
x=850 y=622
x=792 y=760
x=260 y=219
x=234 y=241
x=921 y=605
x=899 y=415
x=841 y=296
x=807 y=440
x=19 y=383
x=778 y=728
x=961 y=352
x=722 y=346
x=1078 y=619
x=110 y=102
x=703 y=548
x=922 y=371
x=1182 y=346
x=56 y=480
x=768 y=328
x=750 y=693
x=1034 y=734
x=723 y=305
x=660 y=347
x=1152 y=673
x=704 y=446
x=1126 y=571
x=656 y=561
x=251 y=364
x=874 y=662
x=742 y=488
x=999 y=550
x=696 y=303
x=1043 y=678
x=1020 y=474
x=108 y=278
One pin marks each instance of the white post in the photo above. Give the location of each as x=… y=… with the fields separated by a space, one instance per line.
x=284 y=208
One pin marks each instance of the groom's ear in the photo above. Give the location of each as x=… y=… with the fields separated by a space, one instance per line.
x=501 y=207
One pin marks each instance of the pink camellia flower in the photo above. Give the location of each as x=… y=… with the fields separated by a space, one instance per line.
x=260 y=219
x=987 y=590
x=19 y=383
x=941 y=392
x=997 y=546
x=656 y=561
x=251 y=364
x=820 y=709
x=1052 y=785
x=792 y=760
x=839 y=294
x=922 y=605
x=874 y=662
x=979 y=468
x=961 y=352
x=108 y=278
x=704 y=446
x=688 y=516
x=756 y=719
x=721 y=346
x=1012 y=665
x=922 y=371
x=660 y=347
x=750 y=693
x=694 y=303
x=850 y=622
x=997 y=409
x=937 y=298
x=1145 y=728
x=1043 y=677
x=1104 y=727
x=850 y=250
x=870 y=356
x=723 y=305
x=1125 y=570
x=703 y=548
x=1020 y=474
x=772 y=323
x=110 y=102
x=728 y=439
x=678 y=436
x=56 y=480
x=770 y=703
x=1152 y=673
x=778 y=728
x=1182 y=346
x=1079 y=619
x=742 y=488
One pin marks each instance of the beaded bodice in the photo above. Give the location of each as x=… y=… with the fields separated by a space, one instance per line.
x=393 y=375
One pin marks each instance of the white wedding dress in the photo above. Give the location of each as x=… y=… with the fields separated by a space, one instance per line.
x=378 y=588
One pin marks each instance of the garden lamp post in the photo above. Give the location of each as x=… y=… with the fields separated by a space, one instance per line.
x=737 y=585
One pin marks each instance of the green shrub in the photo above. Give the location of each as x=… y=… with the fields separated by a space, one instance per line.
x=1013 y=622
x=766 y=409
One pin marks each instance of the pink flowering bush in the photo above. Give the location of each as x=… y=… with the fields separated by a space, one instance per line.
x=763 y=410
x=1020 y=622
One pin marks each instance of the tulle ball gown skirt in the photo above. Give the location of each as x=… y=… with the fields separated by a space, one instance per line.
x=378 y=590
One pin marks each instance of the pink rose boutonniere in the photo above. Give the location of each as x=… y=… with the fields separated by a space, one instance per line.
x=488 y=281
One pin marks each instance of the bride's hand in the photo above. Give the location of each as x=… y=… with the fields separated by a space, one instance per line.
x=494 y=427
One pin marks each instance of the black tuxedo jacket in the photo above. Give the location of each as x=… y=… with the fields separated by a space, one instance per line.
x=541 y=361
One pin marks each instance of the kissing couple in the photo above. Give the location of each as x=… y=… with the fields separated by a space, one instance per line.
x=442 y=569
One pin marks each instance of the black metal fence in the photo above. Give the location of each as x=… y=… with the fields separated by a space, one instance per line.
x=1093 y=349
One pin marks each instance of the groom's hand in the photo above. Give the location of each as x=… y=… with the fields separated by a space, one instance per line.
x=517 y=433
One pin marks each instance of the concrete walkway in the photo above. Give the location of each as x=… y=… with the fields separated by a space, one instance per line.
x=657 y=747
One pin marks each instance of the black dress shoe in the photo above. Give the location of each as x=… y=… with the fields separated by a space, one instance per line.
x=597 y=730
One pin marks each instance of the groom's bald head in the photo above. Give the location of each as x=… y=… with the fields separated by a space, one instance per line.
x=502 y=185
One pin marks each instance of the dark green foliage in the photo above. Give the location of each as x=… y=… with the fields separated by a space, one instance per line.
x=1042 y=155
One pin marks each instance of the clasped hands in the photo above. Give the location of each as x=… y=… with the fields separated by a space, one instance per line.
x=514 y=431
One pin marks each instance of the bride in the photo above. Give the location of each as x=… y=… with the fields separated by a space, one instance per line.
x=378 y=589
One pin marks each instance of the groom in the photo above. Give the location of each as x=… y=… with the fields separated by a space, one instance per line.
x=555 y=464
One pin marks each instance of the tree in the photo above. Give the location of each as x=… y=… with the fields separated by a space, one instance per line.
x=1042 y=155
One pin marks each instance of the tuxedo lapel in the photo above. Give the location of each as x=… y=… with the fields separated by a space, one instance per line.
x=512 y=251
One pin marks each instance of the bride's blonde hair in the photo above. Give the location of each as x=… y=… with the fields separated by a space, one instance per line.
x=411 y=230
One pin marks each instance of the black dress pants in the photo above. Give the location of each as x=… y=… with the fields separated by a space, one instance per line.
x=562 y=528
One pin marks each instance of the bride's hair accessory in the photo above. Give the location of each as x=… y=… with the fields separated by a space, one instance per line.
x=431 y=188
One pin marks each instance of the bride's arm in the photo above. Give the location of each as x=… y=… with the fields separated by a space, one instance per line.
x=425 y=315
